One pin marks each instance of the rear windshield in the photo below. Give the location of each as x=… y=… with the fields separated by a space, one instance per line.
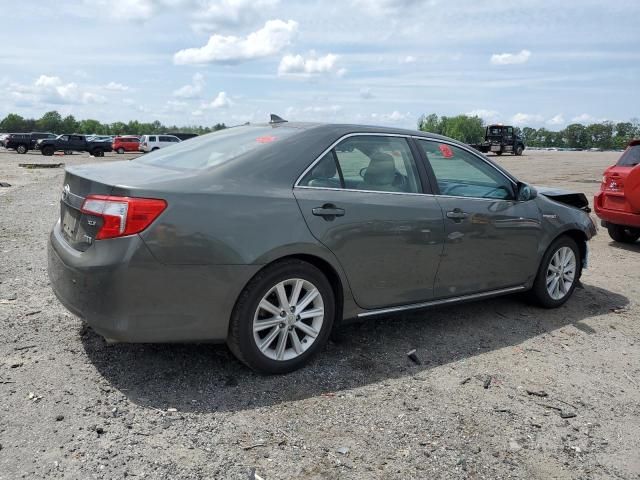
x=630 y=157
x=216 y=148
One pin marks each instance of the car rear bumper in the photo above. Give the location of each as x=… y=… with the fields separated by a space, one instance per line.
x=616 y=217
x=126 y=295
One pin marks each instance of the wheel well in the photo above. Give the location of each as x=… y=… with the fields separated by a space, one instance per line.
x=581 y=240
x=331 y=274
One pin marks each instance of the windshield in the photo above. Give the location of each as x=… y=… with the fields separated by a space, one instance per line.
x=630 y=157
x=216 y=148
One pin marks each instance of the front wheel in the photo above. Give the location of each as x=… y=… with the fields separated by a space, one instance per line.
x=48 y=151
x=98 y=152
x=22 y=149
x=622 y=234
x=120 y=150
x=558 y=274
x=282 y=317
x=519 y=150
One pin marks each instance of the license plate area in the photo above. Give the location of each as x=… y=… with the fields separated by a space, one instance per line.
x=70 y=219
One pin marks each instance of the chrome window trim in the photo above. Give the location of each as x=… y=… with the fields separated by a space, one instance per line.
x=413 y=306
x=333 y=189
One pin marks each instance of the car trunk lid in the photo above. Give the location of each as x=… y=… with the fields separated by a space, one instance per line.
x=117 y=178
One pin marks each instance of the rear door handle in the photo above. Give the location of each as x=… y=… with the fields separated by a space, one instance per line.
x=457 y=215
x=329 y=211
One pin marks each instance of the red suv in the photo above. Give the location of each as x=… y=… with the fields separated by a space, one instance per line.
x=618 y=201
x=126 y=144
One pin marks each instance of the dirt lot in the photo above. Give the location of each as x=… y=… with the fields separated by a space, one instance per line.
x=505 y=390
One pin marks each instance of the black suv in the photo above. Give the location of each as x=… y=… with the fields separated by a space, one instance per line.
x=23 y=142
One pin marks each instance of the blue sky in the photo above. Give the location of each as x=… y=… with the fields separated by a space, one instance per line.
x=536 y=63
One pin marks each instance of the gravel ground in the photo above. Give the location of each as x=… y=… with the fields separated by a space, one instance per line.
x=505 y=390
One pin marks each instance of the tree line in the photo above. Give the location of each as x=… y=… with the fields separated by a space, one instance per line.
x=602 y=135
x=53 y=122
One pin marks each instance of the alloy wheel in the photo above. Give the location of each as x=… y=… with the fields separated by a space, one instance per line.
x=561 y=273
x=288 y=319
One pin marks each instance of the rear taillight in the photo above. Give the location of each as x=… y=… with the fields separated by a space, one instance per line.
x=122 y=215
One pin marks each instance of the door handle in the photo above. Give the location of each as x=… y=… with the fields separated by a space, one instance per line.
x=329 y=211
x=457 y=215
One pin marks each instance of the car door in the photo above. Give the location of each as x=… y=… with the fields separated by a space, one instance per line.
x=491 y=239
x=367 y=200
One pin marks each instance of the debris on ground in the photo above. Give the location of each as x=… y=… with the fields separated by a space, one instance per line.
x=40 y=165
x=413 y=356
x=5 y=184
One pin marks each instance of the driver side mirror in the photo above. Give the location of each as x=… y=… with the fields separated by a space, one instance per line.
x=526 y=192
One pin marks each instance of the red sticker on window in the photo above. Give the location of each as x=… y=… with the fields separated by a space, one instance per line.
x=265 y=139
x=446 y=150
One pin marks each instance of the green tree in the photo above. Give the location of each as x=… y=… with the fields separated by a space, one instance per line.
x=12 y=123
x=50 y=122
x=68 y=125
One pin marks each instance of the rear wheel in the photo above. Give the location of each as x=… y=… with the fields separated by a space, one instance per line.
x=282 y=317
x=22 y=149
x=120 y=150
x=558 y=274
x=98 y=152
x=68 y=152
x=498 y=153
x=519 y=150
x=623 y=234
x=48 y=150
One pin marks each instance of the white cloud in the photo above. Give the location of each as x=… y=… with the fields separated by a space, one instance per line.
x=510 y=58
x=386 y=7
x=216 y=14
x=222 y=100
x=486 y=115
x=526 y=119
x=116 y=87
x=52 y=90
x=366 y=94
x=408 y=59
x=197 y=113
x=311 y=65
x=393 y=117
x=556 y=120
x=586 y=118
x=269 y=40
x=192 y=90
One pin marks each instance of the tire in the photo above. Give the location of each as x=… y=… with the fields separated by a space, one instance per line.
x=243 y=340
x=48 y=150
x=120 y=150
x=155 y=148
x=540 y=293
x=21 y=149
x=68 y=152
x=519 y=150
x=622 y=234
x=498 y=153
x=97 y=152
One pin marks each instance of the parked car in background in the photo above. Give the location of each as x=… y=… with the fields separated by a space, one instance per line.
x=149 y=143
x=23 y=142
x=264 y=236
x=126 y=143
x=617 y=203
x=184 y=136
x=501 y=139
x=73 y=143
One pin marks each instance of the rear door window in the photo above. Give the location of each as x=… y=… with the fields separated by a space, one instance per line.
x=367 y=162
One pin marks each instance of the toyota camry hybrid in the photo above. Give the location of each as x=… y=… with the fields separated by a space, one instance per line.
x=267 y=236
